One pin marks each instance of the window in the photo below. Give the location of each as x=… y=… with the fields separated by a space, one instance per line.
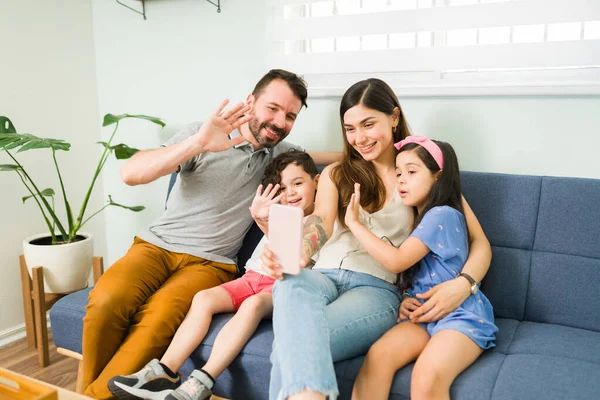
x=441 y=47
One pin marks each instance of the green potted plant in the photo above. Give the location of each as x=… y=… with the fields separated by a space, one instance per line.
x=64 y=251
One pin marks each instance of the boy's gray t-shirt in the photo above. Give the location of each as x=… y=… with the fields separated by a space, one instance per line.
x=207 y=212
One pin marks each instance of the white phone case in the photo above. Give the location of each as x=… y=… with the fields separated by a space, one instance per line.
x=285 y=236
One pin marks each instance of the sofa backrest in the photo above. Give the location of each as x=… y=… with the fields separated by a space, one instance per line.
x=545 y=237
x=172 y=180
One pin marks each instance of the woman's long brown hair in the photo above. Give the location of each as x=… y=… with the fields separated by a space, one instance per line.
x=377 y=95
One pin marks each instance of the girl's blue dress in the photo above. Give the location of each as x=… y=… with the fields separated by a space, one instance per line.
x=443 y=230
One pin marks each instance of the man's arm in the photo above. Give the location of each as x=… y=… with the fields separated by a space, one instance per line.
x=149 y=165
x=326 y=157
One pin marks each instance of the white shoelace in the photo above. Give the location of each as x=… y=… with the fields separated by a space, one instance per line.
x=191 y=387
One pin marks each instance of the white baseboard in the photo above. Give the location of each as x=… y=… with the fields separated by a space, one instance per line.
x=11 y=335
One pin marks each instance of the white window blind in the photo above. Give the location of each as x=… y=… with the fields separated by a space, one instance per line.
x=440 y=47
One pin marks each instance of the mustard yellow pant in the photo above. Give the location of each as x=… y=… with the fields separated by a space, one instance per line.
x=136 y=307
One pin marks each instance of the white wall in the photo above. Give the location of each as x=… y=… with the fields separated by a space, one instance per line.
x=48 y=88
x=185 y=57
x=177 y=65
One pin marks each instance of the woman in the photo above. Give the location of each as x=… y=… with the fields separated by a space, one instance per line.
x=348 y=300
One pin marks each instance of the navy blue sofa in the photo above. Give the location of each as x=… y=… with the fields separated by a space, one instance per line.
x=544 y=285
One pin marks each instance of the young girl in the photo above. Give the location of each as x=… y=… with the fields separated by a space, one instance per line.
x=429 y=182
x=295 y=177
x=350 y=299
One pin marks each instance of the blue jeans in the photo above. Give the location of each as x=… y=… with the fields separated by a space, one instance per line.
x=321 y=317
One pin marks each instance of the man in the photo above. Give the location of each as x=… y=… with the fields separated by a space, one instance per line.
x=137 y=305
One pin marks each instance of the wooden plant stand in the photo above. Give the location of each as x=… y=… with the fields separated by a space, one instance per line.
x=36 y=303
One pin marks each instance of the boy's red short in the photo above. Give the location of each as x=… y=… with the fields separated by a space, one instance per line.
x=249 y=284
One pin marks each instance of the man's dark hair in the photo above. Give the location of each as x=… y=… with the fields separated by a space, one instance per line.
x=295 y=82
x=275 y=168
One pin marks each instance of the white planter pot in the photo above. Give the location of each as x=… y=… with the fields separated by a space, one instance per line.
x=66 y=266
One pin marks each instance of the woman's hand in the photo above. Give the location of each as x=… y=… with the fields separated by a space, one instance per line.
x=352 y=209
x=441 y=300
x=304 y=258
x=407 y=306
x=263 y=201
x=269 y=265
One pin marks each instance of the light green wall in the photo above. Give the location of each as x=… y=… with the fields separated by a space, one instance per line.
x=48 y=88
x=522 y=135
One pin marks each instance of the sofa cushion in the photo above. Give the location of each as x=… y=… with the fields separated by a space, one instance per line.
x=556 y=341
x=563 y=289
x=478 y=382
x=568 y=220
x=66 y=317
x=506 y=282
x=505 y=205
x=532 y=376
x=504 y=337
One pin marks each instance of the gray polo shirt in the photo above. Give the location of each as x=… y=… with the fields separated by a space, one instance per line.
x=208 y=212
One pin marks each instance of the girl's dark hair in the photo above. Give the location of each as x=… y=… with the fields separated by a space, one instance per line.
x=275 y=168
x=295 y=82
x=445 y=191
x=377 y=95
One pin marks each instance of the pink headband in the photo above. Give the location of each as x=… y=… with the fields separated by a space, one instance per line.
x=427 y=144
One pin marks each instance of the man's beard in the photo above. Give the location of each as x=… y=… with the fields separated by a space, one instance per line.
x=266 y=142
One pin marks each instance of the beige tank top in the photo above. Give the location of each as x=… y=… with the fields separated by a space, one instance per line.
x=342 y=251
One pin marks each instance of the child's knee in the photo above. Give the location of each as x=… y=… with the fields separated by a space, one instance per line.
x=106 y=304
x=256 y=304
x=379 y=353
x=204 y=302
x=427 y=379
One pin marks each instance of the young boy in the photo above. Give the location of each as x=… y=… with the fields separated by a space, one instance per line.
x=291 y=179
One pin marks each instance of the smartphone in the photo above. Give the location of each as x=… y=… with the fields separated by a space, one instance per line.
x=285 y=236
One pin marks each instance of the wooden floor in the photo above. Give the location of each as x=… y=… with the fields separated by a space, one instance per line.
x=61 y=372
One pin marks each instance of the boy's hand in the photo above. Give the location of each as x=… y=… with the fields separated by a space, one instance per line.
x=213 y=134
x=407 y=306
x=352 y=209
x=269 y=265
x=262 y=201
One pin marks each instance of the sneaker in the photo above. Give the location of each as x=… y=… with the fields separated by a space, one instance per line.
x=152 y=382
x=192 y=389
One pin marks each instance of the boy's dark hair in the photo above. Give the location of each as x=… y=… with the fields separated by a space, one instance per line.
x=295 y=82
x=446 y=191
x=275 y=168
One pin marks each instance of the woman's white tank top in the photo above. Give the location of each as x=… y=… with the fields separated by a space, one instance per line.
x=343 y=251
